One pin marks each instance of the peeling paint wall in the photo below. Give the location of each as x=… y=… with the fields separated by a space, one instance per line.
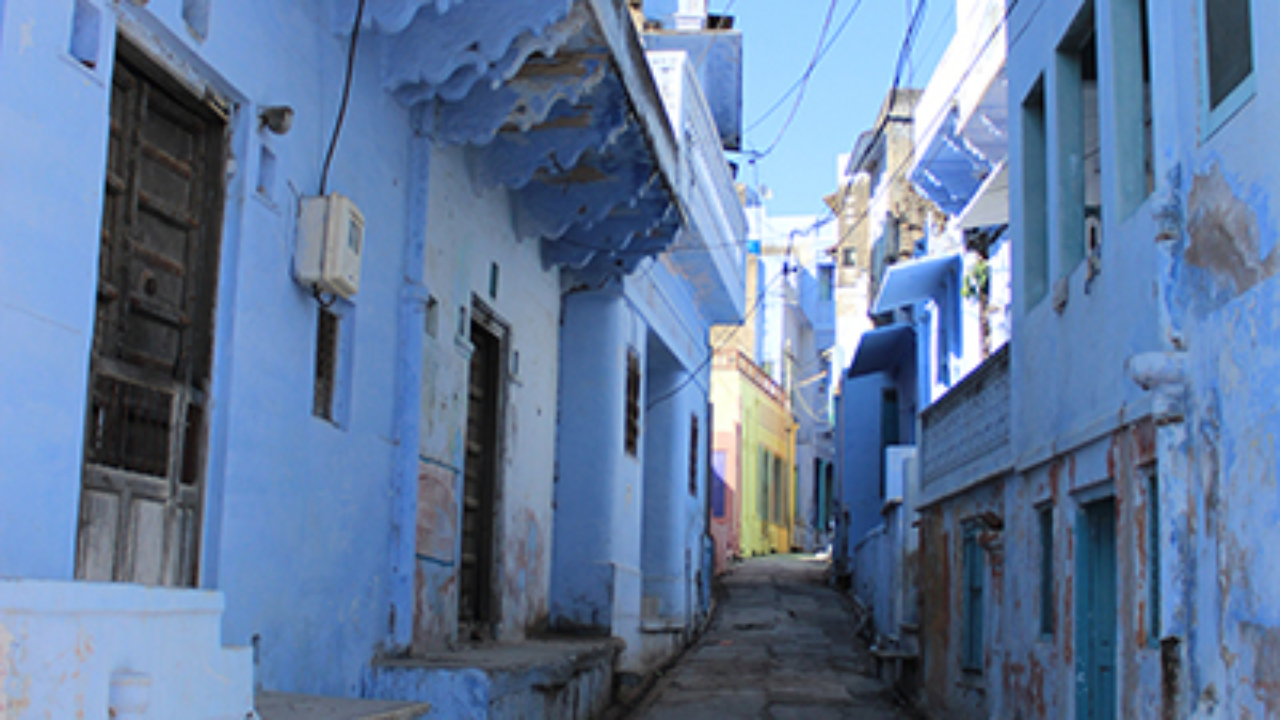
x=1028 y=673
x=469 y=234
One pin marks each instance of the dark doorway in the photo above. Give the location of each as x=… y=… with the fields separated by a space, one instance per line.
x=477 y=570
x=144 y=452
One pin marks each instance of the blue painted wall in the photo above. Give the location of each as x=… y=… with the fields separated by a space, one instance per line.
x=298 y=513
x=597 y=483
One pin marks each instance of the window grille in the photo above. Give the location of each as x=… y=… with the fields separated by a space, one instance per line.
x=693 y=455
x=326 y=364
x=632 y=418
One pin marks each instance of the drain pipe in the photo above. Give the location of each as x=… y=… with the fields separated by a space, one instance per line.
x=408 y=389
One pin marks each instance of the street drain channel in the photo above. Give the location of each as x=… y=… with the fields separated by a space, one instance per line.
x=753 y=626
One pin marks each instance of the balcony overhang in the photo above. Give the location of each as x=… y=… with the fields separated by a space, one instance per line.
x=882 y=350
x=963 y=153
x=936 y=279
x=554 y=101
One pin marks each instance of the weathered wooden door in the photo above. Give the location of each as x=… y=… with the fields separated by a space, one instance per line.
x=140 y=508
x=1097 y=613
x=476 y=567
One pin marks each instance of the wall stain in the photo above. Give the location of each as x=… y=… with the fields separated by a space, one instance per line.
x=1224 y=235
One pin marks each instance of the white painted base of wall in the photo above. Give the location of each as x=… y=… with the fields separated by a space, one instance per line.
x=96 y=650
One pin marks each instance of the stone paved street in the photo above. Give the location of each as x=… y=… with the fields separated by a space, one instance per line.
x=781 y=646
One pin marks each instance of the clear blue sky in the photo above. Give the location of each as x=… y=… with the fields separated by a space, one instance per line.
x=844 y=92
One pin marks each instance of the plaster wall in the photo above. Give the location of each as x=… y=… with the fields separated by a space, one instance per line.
x=1218 y=287
x=1026 y=671
x=765 y=425
x=470 y=242
x=107 y=650
x=1205 y=257
x=54 y=155
x=727 y=456
x=1084 y=342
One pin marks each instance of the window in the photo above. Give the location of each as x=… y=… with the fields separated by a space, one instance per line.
x=327 y=328
x=889 y=421
x=719 y=460
x=762 y=494
x=848 y=256
x=1035 y=198
x=779 y=492
x=1131 y=45
x=1153 y=558
x=631 y=427
x=973 y=572
x=1079 y=174
x=693 y=455
x=825 y=282
x=1228 y=53
x=86 y=33
x=1045 y=517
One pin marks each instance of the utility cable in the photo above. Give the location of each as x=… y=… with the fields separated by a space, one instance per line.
x=844 y=23
x=804 y=86
x=346 y=96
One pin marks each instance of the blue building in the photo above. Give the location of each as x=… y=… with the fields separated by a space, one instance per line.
x=294 y=310
x=1102 y=494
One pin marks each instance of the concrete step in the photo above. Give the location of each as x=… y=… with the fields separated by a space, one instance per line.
x=556 y=679
x=287 y=706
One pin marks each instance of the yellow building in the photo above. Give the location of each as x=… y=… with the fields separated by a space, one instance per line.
x=754 y=429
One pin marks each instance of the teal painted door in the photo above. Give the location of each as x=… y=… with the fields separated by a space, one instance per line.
x=1096 y=694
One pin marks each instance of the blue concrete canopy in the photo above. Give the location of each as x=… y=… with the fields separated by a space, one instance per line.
x=964 y=153
x=882 y=349
x=951 y=168
x=936 y=279
x=555 y=102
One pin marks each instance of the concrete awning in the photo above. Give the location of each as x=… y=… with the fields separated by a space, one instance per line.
x=960 y=158
x=990 y=205
x=554 y=101
x=882 y=349
x=936 y=279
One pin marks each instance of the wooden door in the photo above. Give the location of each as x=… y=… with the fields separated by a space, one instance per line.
x=479 y=510
x=142 y=482
x=1098 y=610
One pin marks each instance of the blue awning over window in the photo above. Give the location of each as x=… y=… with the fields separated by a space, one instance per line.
x=883 y=349
x=936 y=279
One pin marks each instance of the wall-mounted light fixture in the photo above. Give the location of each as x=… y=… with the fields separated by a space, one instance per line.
x=276 y=118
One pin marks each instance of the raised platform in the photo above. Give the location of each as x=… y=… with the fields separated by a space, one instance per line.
x=565 y=679
x=286 y=706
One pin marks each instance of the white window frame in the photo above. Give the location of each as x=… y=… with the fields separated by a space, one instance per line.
x=1213 y=119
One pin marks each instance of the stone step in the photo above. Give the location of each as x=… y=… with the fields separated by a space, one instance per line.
x=288 y=706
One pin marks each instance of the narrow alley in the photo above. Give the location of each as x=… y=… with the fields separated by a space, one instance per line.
x=781 y=645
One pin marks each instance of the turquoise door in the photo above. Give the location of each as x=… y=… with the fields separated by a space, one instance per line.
x=1096 y=613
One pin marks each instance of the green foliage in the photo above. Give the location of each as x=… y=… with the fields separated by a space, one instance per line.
x=977 y=281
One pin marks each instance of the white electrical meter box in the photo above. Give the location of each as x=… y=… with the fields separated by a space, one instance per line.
x=330 y=240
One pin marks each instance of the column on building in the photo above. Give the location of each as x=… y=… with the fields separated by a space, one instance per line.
x=675 y=403
x=595 y=575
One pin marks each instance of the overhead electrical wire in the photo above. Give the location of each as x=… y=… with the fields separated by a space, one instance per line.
x=832 y=214
x=804 y=84
x=804 y=77
x=899 y=170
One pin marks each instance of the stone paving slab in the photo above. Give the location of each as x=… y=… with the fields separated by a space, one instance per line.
x=782 y=646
